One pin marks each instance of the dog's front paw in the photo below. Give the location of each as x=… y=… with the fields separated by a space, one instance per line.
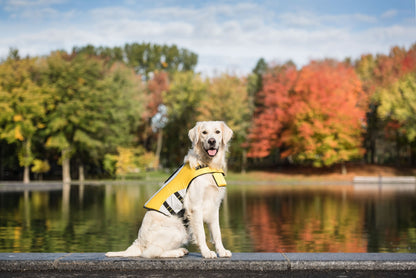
x=224 y=253
x=209 y=254
x=185 y=251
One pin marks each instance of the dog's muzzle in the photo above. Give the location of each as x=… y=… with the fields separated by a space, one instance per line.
x=212 y=150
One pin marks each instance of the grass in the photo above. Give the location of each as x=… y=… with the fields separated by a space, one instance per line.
x=295 y=173
x=299 y=173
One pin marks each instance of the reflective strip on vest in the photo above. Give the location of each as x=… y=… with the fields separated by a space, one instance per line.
x=170 y=197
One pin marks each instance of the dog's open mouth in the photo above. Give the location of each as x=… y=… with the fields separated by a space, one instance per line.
x=212 y=152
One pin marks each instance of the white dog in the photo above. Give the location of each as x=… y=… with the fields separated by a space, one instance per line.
x=168 y=225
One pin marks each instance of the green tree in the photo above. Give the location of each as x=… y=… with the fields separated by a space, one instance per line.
x=256 y=77
x=145 y=58
x=128 y=161
x=22 y=102
x=182 y=100
x=40 y=167
x=227 y=100
x=114 y=114
x=94 y=107
x=365 y=68
x=398 y=103
x=397 y=107
x=377 y=73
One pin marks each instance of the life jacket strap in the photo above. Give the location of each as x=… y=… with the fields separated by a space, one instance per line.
x=171 y=211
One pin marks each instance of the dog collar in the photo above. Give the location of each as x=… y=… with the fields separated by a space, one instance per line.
x=169 y=198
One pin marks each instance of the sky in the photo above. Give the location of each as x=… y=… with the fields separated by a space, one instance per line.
x=227 y=36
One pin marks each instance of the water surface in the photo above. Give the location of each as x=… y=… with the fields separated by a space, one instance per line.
x=254 y=218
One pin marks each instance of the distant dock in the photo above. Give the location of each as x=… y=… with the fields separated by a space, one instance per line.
x=385 y=180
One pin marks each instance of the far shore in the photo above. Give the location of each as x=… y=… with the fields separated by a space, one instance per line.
x=279 y=174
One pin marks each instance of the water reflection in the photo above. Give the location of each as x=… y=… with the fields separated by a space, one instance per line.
x=254 y=218
x=319 y=220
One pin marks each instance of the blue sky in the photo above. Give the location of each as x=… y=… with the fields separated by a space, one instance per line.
x=228 y=36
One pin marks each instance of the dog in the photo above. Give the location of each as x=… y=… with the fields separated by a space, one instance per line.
x=166 y=229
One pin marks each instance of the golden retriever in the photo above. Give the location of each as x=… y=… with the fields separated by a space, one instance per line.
x=161 y=235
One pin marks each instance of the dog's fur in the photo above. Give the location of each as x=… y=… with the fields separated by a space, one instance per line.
x=163 y=236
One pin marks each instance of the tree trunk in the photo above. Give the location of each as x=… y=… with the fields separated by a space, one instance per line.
x=244 y=162
x=66 y=170
x=343 y=168
x=26 y=175
x=159 y=147
x=81 y=175
x=26 y=161
x=66 y=198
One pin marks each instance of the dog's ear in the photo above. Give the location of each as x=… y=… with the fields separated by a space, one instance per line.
x=227 y=133
x=193 y=134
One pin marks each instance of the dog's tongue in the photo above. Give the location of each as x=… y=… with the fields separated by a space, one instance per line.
x=212 y=152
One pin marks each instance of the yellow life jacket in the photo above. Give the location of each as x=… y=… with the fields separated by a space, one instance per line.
x=169 y=198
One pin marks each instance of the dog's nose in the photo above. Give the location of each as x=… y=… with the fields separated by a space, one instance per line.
x=211 y=141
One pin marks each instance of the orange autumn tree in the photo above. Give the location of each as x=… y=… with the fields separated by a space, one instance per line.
x=315 y=117
x=271 y=116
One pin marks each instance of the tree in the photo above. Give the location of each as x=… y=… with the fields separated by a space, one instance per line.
x=365 y=69
x=128 y=161
x=313 y=116
x=121 y=97
x=145 y=58
x=377 y=73
x=327 y=117
x=397 y=107
x=270 y=115
x=155 y=88
x=22 y=102
x=40 y=167
x=95 y=108
x=257 y=75
x=182 y=100
x=227 y=100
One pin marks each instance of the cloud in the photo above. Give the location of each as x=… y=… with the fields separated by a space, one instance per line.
x=27 y=4
x=389 y=14
x=34 y=10
x=226 y=37
x=308 y=20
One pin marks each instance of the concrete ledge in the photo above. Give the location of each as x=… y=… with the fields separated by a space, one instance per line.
x=284 y=263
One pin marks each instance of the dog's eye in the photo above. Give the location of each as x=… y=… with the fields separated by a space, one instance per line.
x=217 y=132
x=204 y=132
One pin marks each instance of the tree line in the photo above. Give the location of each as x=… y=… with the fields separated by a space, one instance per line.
x=331 y=112
x=116 y=111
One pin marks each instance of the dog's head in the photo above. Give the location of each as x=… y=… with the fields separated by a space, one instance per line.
x=212 y=137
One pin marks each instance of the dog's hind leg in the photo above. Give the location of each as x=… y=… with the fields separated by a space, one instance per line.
x=158 y=252
x=176 y=253
x=133 y=251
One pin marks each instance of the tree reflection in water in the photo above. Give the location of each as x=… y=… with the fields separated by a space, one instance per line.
x=254 y=218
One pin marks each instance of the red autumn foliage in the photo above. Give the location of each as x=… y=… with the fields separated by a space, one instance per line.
x=314 y=114
x=155 y=88
x=154 y=97
x=271 y=114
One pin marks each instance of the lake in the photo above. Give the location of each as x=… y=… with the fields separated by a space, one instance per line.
x=254 y=218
